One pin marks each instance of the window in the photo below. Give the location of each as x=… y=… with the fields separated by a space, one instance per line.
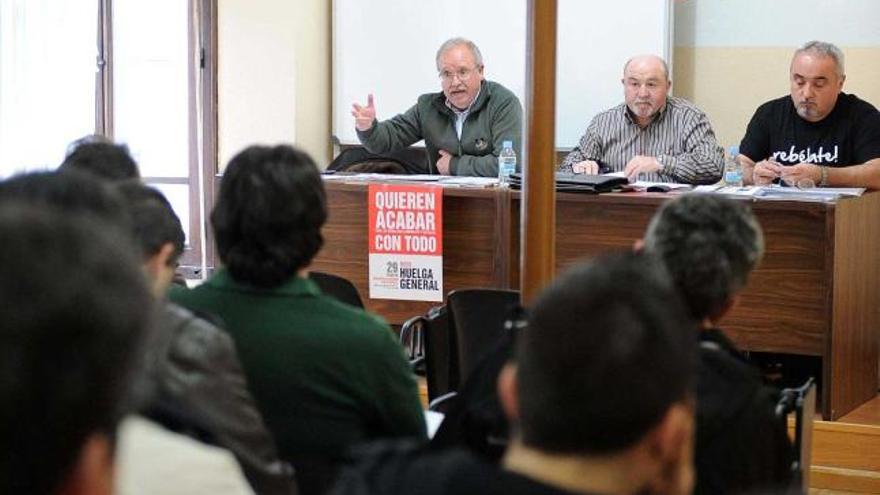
x=142 y=73
x=47 y=80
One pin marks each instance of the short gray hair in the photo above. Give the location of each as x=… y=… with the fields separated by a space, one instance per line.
x=824 y=49
x=458 y=41
x=709 y=245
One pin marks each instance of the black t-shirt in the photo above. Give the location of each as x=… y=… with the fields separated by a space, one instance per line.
x=849 y=135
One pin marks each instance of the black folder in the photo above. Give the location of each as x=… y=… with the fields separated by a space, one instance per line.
x=581 y=183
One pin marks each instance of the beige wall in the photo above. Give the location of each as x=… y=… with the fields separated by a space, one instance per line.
x=728 y=83
x=274 y=75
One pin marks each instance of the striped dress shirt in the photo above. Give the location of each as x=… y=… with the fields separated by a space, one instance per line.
x=680 y=137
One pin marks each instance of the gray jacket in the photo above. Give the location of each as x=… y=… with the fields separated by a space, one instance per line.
x=193 y=368
x=494 y=117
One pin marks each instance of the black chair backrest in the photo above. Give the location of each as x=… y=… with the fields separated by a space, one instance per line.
x=338 y=288
x=428 y=341
x=802 y=402
x=478 y=317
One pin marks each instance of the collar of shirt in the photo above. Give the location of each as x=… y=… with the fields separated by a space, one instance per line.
x=295 y=286
x=461 y=115
x=627 y=113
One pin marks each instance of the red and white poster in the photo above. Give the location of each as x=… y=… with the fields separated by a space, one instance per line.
x=406 y=242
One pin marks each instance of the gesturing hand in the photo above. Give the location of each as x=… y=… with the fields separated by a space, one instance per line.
x=364 y=115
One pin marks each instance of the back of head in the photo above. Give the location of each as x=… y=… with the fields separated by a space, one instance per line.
x=101 y=158
x=608 y=350
x=709 y=245
x=269 y=214
x=73 y=310
x=153 y=219
x=70 y=192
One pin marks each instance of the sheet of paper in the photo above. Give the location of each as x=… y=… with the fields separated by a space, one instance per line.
x=433 y=420
x=469 y=181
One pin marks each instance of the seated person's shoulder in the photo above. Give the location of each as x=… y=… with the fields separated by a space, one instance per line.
x=686 y=107
x=860 y=108
x=404 y=467
x=361 y=323
x=498 y=89
x=195 y=331
x=730 y=390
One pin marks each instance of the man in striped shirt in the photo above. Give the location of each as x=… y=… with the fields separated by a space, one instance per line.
x=651 y=136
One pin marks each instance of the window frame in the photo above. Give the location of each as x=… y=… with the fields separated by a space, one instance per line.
x=202 y=135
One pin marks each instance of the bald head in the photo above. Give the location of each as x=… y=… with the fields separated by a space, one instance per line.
x=647 y=62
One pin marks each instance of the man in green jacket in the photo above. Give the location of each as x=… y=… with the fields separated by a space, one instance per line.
x=325 y=375
x=463 y=126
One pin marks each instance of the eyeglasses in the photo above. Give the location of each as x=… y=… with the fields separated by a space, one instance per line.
x=462 y=75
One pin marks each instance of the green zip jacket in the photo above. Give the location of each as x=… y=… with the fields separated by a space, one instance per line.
x=325 y=375
x=496 y=116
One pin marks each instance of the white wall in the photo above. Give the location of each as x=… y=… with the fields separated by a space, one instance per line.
x=257 y=88
x=729 y=60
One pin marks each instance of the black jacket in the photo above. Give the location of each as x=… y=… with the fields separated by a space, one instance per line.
x=196 y=385
x=741 y=445
x=404 y=468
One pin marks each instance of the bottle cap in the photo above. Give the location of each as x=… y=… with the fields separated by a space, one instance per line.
x=507 y=144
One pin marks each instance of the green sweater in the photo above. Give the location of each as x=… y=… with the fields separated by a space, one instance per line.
x=495 y=116
x=324 y=375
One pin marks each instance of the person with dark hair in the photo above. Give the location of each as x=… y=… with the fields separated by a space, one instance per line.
x=599 y=398
x=710 y=245
x=71 y=191
x=77 y=193
x=325 y=375
x=99 y=156
x=73 y=312
x=193 y=370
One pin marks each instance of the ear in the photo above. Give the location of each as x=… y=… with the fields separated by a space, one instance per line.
x=842 y=80
x=670 y=446
x=156 y=263
x=639 y=246
x=159 y=270
x=507 y=392
x=92 y=472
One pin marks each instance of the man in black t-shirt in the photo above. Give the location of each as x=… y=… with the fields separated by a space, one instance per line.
x=817 y=134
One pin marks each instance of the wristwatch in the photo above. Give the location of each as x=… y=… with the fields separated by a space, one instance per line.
x=824 y=178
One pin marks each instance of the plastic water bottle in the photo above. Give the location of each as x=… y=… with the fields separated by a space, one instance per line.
x=733 y=171
x=506 y=162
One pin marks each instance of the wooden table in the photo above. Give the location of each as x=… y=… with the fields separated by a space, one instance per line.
x=816 y=292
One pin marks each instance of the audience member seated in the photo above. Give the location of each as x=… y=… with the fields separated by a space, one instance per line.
x=599 y=397
x=99 y=156
x=195 y=378
x=78 y=193
x=324 y=374
x=651 y=135
x=709 y=245
x=74 y=310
